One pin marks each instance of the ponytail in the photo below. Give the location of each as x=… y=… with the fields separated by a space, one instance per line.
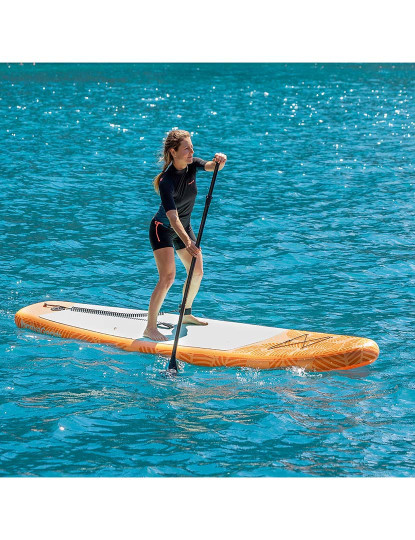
x=156 y=180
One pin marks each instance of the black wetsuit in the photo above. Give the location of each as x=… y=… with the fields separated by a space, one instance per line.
x=178 y=192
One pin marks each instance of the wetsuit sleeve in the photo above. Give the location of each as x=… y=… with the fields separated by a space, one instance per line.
x=166 y=190
x=199 y=163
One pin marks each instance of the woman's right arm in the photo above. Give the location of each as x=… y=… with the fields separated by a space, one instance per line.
x=181 y=233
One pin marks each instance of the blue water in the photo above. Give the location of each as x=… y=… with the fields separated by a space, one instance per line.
x=311 y=227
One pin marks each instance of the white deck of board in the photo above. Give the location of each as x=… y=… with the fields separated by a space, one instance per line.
x=221 y=335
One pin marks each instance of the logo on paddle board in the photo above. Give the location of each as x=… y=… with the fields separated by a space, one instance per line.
x=40 y=329
x=299 y=340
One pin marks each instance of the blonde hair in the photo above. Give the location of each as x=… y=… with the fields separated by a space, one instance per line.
x=172 y=142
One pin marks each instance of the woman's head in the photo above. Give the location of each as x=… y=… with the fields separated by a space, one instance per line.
x=173 y=142
x=174 y=149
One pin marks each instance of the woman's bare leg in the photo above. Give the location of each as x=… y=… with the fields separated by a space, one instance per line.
x=166 y=267
x=186 y=259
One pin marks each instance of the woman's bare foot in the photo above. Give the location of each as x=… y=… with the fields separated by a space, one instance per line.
x=154 y=334
x=189 y=319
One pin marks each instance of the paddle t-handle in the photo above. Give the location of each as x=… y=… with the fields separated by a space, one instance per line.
x=173 y=361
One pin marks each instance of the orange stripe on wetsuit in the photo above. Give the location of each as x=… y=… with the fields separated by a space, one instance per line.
x=157 y=223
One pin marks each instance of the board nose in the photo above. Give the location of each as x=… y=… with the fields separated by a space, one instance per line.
x=370 y=350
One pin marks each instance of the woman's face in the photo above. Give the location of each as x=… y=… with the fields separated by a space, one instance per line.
x=184 y=154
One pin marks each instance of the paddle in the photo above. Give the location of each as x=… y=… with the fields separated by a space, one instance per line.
x=173 y=362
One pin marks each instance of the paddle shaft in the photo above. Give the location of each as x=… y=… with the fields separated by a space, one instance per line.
x=173 y=362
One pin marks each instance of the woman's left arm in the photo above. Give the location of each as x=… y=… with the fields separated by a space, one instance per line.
x=219 y=158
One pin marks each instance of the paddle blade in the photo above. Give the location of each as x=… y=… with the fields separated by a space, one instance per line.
x=173 y=363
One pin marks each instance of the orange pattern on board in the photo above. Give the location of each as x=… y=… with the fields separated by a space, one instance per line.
x=310 y=350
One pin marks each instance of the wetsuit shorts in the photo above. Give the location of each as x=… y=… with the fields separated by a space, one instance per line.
x=162 y=236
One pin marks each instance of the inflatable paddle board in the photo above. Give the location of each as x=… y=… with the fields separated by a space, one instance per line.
x=221 y=343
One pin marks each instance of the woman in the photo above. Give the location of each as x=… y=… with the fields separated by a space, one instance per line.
x=171 y=229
